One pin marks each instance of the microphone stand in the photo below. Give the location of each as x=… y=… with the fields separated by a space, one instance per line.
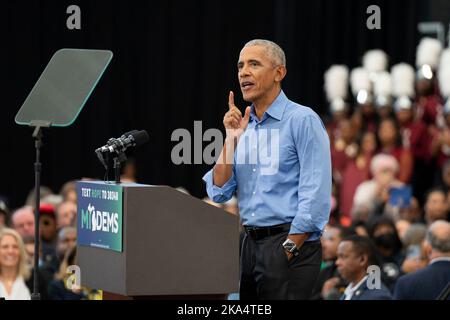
x=121 y=157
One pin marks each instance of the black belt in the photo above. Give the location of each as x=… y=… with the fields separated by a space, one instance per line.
x=258 y=233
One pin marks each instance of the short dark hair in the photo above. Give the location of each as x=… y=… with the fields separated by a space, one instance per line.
x=363 y=246
x=360 y=223
x=393 y=120
x=344 y=231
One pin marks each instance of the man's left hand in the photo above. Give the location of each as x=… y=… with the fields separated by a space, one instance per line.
x=299 y=239
x=289 y=255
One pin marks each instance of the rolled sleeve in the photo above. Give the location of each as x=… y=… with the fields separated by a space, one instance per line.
x=219 y=194
x=314 y=188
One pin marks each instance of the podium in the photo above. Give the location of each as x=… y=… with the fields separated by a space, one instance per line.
x=143 y=241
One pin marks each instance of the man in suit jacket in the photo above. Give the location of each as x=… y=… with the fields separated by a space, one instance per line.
x=355 y=255
x=331 y=238
x=428 y=283
x=363 y=292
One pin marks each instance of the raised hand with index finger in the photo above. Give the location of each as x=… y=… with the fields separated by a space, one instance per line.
x=233 y=121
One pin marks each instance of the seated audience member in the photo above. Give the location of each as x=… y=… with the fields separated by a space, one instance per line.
x=373 y=195
x=356 y=172
x=344 y=149
x=53 y=199
x=67 y=240
x=48 y=232
x=412 y=212
x=45 y=272
x=23 y=221
x=402 y=225
x=355 y=255
x=391 y=144
x=58 y=289
x=441 y=151
x=63 y=287
x=429 y=282
x=331 y=238
x=389 y=247
x=14 y=270
x=31 y=199
x=66 y=214
x=360 y=228
x=414 y=235
x=69 y=192
x=444 y=176
x=415 y=258
x=436 y=206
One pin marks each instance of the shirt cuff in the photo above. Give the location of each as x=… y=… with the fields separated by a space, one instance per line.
x=303 y=223
x=219 y=194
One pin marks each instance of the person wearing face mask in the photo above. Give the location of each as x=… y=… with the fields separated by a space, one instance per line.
x=389 y=246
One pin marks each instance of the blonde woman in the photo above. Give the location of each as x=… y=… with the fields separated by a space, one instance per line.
x=13 y=266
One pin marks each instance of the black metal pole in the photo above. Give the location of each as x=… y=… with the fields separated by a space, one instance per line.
x=37 y=179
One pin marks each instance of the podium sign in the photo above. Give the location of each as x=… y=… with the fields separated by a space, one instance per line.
x=173 y=244
x=99 y=215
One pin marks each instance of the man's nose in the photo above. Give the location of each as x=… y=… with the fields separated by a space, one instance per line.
x=244 y=71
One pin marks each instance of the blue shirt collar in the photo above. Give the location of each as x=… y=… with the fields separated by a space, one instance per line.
x=275 y=110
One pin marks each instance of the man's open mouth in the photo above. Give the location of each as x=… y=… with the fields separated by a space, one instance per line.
x=247 y=85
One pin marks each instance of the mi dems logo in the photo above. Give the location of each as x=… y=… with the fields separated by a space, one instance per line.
x=99 y=220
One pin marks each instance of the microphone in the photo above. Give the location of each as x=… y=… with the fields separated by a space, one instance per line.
x=111 y=141
x=128 y=139
x=118 y=146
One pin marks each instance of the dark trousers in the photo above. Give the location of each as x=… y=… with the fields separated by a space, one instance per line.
x=266 y=272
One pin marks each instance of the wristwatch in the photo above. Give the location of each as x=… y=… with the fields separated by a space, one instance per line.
x=291 y=247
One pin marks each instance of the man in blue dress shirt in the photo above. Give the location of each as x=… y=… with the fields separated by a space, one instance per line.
x=276 y=158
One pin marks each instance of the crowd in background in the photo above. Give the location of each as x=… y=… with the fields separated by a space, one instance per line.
x=390 y=148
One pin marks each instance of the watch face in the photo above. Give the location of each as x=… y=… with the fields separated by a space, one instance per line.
x=289 y=245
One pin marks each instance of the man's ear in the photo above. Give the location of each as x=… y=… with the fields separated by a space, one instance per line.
x=281 y=73
x=364 y=260
x=426 y=248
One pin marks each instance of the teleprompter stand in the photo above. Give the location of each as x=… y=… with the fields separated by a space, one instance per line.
x=56 y=99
